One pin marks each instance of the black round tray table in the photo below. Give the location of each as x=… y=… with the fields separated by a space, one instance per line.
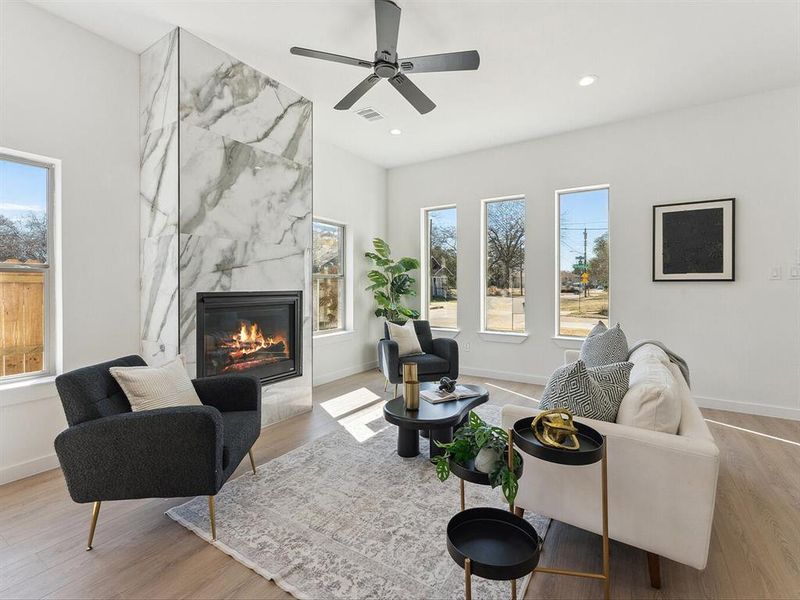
x=465 y=471
x=592 y=449
x=494 y=544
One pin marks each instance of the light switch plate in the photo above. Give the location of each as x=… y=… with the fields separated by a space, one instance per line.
x=794 y=272
x=775 y=272
x=466 y=347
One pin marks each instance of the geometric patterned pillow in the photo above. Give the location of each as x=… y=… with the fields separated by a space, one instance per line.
x=604 y=346
x=594 y=392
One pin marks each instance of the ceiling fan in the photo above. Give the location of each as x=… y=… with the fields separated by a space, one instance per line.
x=387 y=66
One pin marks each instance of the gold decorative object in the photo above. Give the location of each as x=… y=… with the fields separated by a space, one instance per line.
x=410 y=386
x=555 y=428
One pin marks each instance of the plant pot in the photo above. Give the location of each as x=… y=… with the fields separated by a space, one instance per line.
x=486 y=460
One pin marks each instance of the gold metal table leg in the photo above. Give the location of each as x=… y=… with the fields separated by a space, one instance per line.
x=468 y=579
x=93 y=525
x=462 y=494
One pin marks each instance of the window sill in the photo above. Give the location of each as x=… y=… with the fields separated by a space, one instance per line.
x=505 y=337
x=568 y=342
x=324 y=339
x=445 y=332
x=28 y=390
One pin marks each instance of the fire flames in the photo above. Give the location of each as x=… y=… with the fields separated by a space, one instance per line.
x=250 y=340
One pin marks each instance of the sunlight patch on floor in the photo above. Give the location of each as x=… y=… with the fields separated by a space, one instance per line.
x=346 y=403
x=772 y=437
x=358 y=424
x=511 y=392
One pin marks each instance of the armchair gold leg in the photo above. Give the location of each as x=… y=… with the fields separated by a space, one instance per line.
x=213 y=517
x=395 y=390
x=95 y=514
x=252 y=461
x=385 y=384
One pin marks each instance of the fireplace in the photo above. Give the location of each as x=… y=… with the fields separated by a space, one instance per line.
x=253 y=333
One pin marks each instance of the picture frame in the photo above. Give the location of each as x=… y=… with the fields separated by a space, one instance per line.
x=694 y=241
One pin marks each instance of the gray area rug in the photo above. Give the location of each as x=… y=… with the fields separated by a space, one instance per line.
x=339 y=518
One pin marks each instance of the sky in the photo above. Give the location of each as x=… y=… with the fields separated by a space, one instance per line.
x=23 y=189
x=578 y=210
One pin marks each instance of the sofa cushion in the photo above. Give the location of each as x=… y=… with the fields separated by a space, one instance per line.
x=604 y=346
x=594 y=392
x=148 y=388
x=406 y=337
x=654 y=397
x=427 y=364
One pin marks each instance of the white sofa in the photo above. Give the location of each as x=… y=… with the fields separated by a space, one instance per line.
x=661 y=487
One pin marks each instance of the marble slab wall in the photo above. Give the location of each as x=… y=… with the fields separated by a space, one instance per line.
x=226 y=198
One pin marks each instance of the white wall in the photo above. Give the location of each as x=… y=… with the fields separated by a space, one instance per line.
x=741 y=339
x=69 y=94
x=350 y=190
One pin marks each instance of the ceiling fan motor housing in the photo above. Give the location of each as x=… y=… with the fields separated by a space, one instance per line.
x=385 y=69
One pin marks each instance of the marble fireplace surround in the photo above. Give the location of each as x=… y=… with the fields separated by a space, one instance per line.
x=225 y=197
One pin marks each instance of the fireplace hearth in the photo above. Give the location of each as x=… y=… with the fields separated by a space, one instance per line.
x=253 y=333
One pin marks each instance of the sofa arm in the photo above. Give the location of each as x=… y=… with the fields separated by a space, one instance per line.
x=570 y=356
x=162 y=453
x=447 y=349
x=229 y=392
x=661 y=489
x=389 y=360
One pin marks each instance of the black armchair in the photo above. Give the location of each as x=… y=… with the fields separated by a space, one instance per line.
x=111 y=453
x=440 y=358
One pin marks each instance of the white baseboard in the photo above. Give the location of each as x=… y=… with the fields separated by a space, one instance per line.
x=321 y=379
x=750 y=408
x=506 y=375
x=28 y=468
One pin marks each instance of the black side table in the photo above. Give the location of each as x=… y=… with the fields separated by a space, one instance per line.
x=593 y=448
x=467 y=472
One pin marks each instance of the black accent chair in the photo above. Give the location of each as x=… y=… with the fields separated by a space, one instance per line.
x=440 y=358
x=111 y=453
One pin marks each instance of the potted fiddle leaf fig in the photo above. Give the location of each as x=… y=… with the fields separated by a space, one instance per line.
x=390 y=281
x=487 y=446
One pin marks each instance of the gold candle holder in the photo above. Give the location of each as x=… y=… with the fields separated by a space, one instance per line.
x=410 y=386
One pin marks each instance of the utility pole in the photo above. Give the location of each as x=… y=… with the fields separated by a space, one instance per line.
x=585 y=263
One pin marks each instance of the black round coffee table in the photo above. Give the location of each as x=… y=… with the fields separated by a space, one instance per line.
x=438 y=419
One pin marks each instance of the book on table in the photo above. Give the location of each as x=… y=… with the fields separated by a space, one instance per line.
x=436 y=396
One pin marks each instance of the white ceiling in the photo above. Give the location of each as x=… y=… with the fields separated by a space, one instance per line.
x=650 y=57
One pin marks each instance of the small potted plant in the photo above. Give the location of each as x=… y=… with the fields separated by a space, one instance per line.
x=487 y=447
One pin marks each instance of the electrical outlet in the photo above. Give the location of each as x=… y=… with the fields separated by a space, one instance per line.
x=775 y=272
x=466 y=347
x=794 y=272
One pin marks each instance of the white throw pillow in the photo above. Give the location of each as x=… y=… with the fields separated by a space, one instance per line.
x=653 y=400
x=148 y=388
x=649 y=352
x=406 y=337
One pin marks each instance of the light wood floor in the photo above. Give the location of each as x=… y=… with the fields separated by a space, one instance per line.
x=140 y=553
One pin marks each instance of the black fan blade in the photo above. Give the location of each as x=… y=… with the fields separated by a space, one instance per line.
x=356 y=93
x=412 y=93
x=468 y=60
x=331 y=57
x=387 y=24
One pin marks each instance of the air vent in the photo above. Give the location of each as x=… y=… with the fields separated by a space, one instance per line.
x=370 y=114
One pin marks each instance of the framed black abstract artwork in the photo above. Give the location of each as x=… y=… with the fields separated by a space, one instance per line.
x=694 y=241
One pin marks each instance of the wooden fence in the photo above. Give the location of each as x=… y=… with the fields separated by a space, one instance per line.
x=21 y=323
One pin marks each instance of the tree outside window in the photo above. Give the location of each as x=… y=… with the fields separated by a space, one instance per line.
x=328 y=276
x=442 y=267
x=505 y=265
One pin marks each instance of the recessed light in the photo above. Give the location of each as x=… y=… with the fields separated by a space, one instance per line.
x=395 y=131
x=587 y=80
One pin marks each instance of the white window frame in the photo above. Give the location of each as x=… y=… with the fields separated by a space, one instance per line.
x=558 y=194
x=51 y=352
x=344 y=279
x=484 y=259
x=425 y=254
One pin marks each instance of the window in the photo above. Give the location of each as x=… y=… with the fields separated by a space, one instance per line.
x=582 y=260
x=328 y=276
x=504 y=265
x=26 y=190
x=440 y=263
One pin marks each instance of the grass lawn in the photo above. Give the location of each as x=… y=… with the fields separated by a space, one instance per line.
x=580 y=314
